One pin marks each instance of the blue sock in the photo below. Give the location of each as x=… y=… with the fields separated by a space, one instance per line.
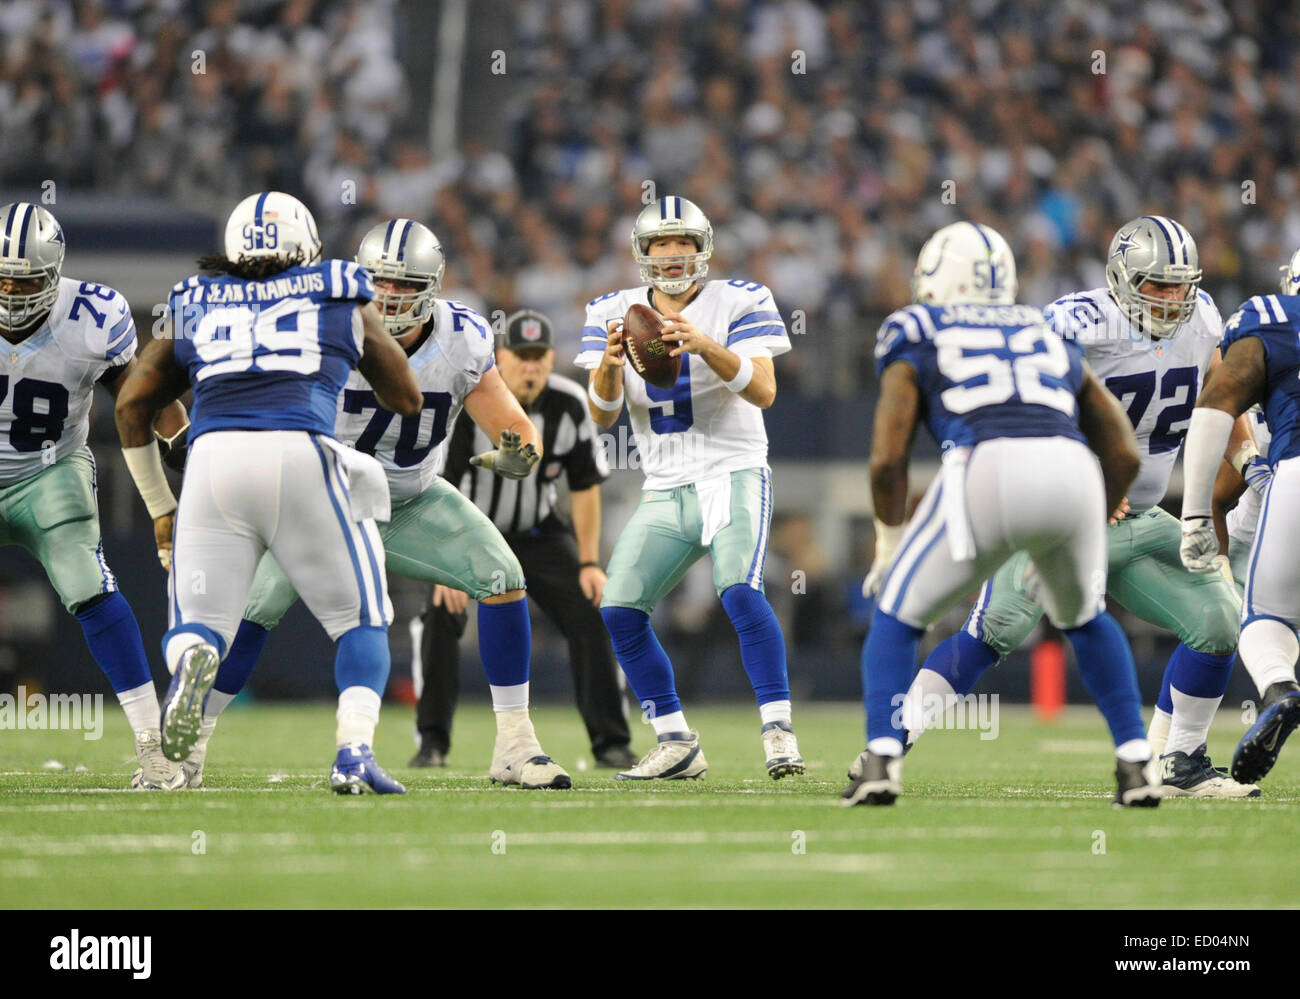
x=961 y=660
x=238 y=665
x=114 y=639
x=642 y=657
x=1199 y=674
x=1165 y=700
x=1106 y=665
x=888 y=664
x=762 y=646
x=362 y=659
x=505 y=642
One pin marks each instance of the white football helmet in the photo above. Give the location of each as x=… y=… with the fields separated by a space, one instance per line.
x=965 y=262
x=672 y=217
x=31 y=246
x=404 y=250
x=272 y=224
x=1290 y=282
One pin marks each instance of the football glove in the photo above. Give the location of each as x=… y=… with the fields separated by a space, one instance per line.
x=1224 y=568
x=887 y=539
x=509 y=459
x=1200 y=545
x=1257 y=474
x=174 y=449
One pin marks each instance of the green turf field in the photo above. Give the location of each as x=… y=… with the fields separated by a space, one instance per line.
x=1021 y=820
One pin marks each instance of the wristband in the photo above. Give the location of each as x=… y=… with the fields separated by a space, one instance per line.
x=743 y=377
x=145 y=466
x=608 y=405
x=1244 y=453
x=590 y=565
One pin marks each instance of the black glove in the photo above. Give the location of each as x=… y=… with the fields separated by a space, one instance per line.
x=175 y=449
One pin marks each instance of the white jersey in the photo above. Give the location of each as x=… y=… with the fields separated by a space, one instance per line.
x=1243 y=519
x=1157 y=381
x=47 y=382
x=698 y=427
x=447 y=366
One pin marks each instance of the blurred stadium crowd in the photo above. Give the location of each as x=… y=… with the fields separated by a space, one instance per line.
x=823 y=139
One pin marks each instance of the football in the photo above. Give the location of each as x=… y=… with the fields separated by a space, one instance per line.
x=646 y=350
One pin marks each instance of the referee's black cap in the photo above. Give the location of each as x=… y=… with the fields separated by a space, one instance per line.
x=525 y=329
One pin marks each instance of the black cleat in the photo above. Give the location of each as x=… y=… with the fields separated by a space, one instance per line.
x=428 y=756
x=881 y=781
x=1259 y=747
x=1133 y=789
x=616 y=758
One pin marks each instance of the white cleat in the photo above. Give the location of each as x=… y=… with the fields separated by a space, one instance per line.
x=192 y=766
x=156 y=772
x=1194 y=776
x=518 y=760
x=182 y=713
x=876 y=780
x=781 y=750
x=676 y=757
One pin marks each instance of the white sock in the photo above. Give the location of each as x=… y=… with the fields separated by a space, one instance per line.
x=1191 y=721
x=510 y=698
x=141 y=707
x=887 y=746
x=772 y=711
x=357 y=716
x=674 y=721
x=1134 y=751
x=1268 y=650
x=216 y=703
x=929 y=690
x=1158 y=732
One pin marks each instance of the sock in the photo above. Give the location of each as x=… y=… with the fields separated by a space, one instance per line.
x=512 y=698
x=1268 y=649
x=1106 y=666
x=180 y=640
x=217 y=702
x=1133 y=751
x=1197 y=681
x=505 y=641
x=762 y=646
x=358 y=713
x=885 y=746
x=238 y=665
x=114 y=640
x=643 y=660
x=926 y=700
x=775 y=711
x=1158 y=733
x=888 y=660
x=961 y=660
x=362 y=660
x=674 y=721
x=141 y=707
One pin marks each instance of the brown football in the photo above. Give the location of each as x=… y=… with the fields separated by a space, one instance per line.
x=647 y=353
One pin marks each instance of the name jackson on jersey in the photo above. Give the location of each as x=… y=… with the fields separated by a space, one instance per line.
x=698 y=426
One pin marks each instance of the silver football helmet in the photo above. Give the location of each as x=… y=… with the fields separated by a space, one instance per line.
x=1290 y=283
x=31 y=247
x=672 y=217
x=1153 y=248
x=404 y=250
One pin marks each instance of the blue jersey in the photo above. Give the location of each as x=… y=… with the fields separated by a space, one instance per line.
x=986 y=371
x=1275 y=321
x=273 y=354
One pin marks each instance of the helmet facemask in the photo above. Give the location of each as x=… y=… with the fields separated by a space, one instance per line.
x=1159 y=318
x=18 y=310
x=401 y=310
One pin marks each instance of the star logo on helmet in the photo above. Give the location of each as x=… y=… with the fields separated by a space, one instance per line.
x=1126 y=243
x=58 y=236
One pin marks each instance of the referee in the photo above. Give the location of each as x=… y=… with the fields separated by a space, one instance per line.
x=561 y=561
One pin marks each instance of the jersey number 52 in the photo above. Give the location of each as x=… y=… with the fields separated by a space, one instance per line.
x=966 y=353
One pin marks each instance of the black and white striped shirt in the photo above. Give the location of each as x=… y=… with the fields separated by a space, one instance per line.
x=569 y=445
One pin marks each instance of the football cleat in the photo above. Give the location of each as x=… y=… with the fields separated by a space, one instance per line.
x=782 y=750
x=1194 y=776
x=192 y=766
x=855 y=768
x=676 y=757
x=880 y=783
x=356 y=772
x=1259 y=747
x=616 y=758
x=182 y=713
x=518 y=759
x=428 y=757
x=156 y=772
x=1134 y=788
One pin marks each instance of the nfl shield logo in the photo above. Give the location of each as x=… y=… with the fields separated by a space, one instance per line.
x=530 y=329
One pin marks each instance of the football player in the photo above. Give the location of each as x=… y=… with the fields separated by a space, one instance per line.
x=62 y=337
x=266 y=342
x=708 y=488
x=1150 y=335
x=1016 y=409
x=1261 y=366
x=435 y=534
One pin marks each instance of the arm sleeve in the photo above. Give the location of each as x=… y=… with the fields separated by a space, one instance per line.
x=346 y=280
x=120 y=345
x=757 y=329
x=594 y=335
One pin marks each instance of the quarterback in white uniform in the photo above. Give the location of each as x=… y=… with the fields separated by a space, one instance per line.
x=707 y=487
x=435 y=534
x=1151 y=336
x=62 y=337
